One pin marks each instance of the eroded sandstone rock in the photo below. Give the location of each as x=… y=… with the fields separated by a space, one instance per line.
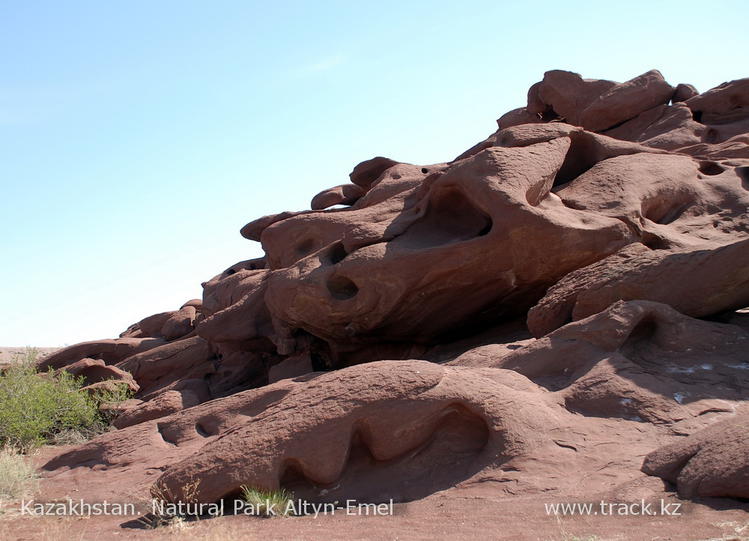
x=711 y=462
x=704 y=282
x=607 y=215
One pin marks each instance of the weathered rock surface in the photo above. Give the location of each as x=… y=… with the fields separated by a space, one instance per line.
x=95 y=371
x=345 y=194
x=594 y=104
x=711 y=462
x=109 y=351
x=703 y=282
x=602 y=219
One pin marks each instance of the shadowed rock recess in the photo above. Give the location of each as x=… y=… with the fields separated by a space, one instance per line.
x=575 y=281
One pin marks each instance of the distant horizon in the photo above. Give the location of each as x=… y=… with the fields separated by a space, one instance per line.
x=137 y=141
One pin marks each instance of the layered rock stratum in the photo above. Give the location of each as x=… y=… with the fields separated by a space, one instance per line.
x=557 y=310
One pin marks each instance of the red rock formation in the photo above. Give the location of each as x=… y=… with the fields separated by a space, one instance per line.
x=711 y=462
x=606 y=215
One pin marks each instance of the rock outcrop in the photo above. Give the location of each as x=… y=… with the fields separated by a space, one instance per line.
x=495 y=317
x=711 y=462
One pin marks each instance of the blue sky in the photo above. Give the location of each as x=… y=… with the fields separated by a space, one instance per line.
x=136 y=138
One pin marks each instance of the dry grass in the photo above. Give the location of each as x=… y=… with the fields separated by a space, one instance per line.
x=265 y=502
x=18 y=478
x=157 y=519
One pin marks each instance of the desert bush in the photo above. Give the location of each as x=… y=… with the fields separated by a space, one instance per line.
x=37 y=406
x=17 y=476
x=103 y=397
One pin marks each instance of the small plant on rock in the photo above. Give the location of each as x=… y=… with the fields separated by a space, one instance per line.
x=268 y=503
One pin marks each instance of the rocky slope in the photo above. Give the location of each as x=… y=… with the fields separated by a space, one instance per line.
x=506 y=317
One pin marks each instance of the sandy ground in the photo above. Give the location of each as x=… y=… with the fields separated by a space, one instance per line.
x=9 y=354
x=482 y=511
x=472 y=516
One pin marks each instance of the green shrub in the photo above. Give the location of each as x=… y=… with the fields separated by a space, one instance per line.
x=106 y=398
x=35 y=406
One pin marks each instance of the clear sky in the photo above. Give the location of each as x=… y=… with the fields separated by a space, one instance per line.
x=136 y=138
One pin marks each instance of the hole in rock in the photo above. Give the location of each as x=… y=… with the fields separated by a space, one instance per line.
x=337 y=253
x=166 y=433
x=697 y=116
x=448 y=456
x=644 y=331
x=743 y=173
x=342 y=288
x=665 y=208
x=424 y=170
x=200 y=429
x=549 y=114
x=320 y=355
x=648 y=347
x=654 y=242
x=581 y=156
x=450 y=217
x=486 y=229
x=671 y=214
x=711 y=168
x=229 y=272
